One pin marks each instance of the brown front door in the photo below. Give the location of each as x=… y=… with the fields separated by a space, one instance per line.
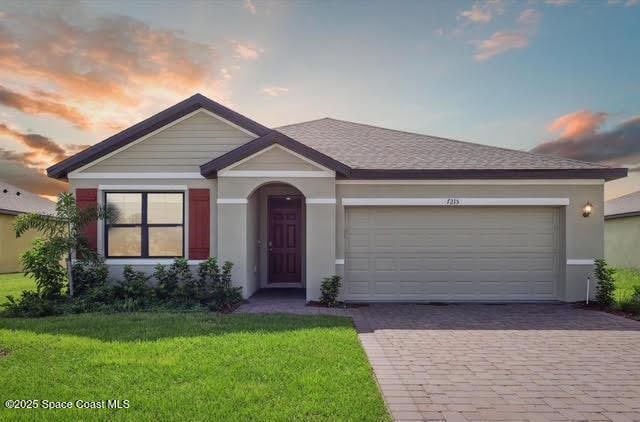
x=285 y=249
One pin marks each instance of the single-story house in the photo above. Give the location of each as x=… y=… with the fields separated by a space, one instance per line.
x=13 y=202
x=400 y=216
x=622 y=231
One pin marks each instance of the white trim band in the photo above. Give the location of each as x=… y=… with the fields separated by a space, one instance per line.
x=232 y=201
x=455 y=202
x=580 y=261
x=472 y=182
x=312 y=201
x=340 y=261
x=194 y=175
x=144 y=187
x=274 y=173
x=146 y=261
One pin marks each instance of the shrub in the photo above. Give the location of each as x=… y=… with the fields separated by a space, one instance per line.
x=330 y=290
x=31 y=304
x=606 y=285
x=214 y=286
x=175 y=283
x=44 y=266
x=89 y=275
x=134 y=286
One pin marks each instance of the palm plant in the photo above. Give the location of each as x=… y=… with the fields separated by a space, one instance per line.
x=62 y=232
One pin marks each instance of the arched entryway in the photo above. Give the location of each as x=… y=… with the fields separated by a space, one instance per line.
x=276 y=237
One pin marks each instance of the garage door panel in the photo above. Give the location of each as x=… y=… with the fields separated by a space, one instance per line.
x=427 y=253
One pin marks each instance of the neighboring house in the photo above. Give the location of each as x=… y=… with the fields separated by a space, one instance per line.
x=401 y=216
x=622 y=231
x=13 y=202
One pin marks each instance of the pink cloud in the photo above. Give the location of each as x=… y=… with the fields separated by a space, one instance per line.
x=40 y=103
x=477 y=14
x=499 y=43
x=246 y=51
x=529 y=17
x=581 y=138
x=100 y=65
x=578 y=124
x=274 y=91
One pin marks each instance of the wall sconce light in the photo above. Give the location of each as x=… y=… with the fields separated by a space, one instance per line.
x=587 y=209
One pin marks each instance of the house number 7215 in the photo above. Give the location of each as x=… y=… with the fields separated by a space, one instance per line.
x=453 y=201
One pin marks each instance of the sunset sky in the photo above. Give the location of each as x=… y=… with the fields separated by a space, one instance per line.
x=555 y=76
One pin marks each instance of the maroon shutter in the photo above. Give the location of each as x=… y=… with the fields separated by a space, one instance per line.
x=199 y=227
x=88 y=198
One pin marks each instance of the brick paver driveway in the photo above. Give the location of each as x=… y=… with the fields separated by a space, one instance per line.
x=503 y=362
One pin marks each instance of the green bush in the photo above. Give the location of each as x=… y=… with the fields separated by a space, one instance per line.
x=30 y=305
x=330 y=290
x=44 y=266
x=135 y=286
x=214 y=287
x=176 y=289
x=175 y=282
x=89 y=275
x=605 y=287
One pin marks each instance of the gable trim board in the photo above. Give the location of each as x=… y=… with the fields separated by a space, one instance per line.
x=622 y=215
x=73 y=175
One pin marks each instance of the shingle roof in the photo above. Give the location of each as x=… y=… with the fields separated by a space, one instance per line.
x=361 y=151
x=15 y=201
x=623 y=206
x=362 y=146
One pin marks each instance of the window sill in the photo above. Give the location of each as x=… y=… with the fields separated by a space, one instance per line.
x=146 y=261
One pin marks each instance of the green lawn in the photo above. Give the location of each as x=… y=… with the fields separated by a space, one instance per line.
x=189 y=366
x=14 y=284
x=625 y=279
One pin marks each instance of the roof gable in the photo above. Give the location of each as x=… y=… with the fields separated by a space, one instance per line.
x=181 y=146
x=153 y=123
x=211 y=168
x=275 y=158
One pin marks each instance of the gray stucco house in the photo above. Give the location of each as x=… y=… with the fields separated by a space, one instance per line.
x=401 y=216
x=622 y=231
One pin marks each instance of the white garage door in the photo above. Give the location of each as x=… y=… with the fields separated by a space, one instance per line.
x=443 y=253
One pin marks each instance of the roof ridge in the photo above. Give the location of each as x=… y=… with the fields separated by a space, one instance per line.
x=458 y=141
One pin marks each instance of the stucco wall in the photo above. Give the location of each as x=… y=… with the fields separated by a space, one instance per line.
x=320 y=225
x=238 y=227
x=622 y=242
x=11 y=247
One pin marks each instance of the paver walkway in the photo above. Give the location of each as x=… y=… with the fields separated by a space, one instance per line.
x=497 y=362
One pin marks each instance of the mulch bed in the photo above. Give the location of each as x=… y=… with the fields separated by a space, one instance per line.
x=595 y=307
